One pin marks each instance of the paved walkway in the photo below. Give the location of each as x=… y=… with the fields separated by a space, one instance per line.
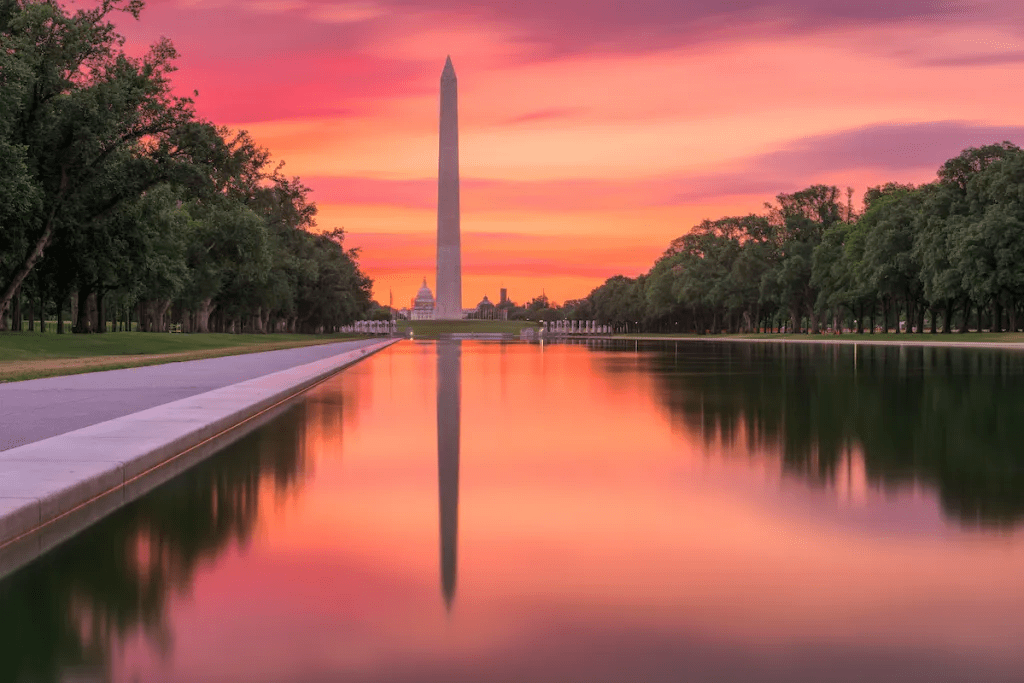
x=40 y=408
x=52 y=488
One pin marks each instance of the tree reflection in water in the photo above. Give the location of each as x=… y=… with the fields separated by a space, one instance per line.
x=948 y=418
x=62 y=613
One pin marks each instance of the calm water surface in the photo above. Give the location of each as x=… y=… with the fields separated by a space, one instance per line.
x=484 y=512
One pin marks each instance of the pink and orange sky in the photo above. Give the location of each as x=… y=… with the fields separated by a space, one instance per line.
x=592 y=132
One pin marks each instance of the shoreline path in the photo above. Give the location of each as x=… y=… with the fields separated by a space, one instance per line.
x=869 y=340
x=37 y=409
x=75 y=448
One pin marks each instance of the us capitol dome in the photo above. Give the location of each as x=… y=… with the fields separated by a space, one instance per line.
x=423 y=304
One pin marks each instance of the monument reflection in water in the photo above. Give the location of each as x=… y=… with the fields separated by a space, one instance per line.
x=449 y=378
x=709 y=512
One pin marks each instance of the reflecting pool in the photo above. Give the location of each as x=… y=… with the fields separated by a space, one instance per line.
x=481 y=512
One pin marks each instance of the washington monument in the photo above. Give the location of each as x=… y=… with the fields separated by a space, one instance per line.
x=449 y=247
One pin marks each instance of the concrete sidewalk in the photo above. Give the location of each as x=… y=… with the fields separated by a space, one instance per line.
x=40 y=408
x=52 y=488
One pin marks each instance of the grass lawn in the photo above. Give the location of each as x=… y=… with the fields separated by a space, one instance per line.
x=426 y=329
x=28 y=355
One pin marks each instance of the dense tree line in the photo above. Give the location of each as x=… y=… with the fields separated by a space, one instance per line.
x=944 y=256
x=118 y=204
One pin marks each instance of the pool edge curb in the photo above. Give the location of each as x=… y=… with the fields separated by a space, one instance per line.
x=54 y=488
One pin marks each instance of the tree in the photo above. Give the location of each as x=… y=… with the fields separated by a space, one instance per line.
x=800 y=221
x=19 y=195
x=941 y=282
x=619 y=301
x=987 y=248
x=890 y=265
x=93 y=123
x=339 y=293
x=831 y=273
x=946 y=214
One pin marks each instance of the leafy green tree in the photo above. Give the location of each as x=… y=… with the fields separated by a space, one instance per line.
x=661 y=301
x=339 y=293
x=93 y=123
x=159 y=270
x=749 y=267
x=229 y=256
x=800 y=221
x=941 y=282
x=946 y=214
x=620 y=301
x=579 y=309
x=987 y=249
x=890 y=265
x=832 y=274
x=538 y=308
x=19 y=194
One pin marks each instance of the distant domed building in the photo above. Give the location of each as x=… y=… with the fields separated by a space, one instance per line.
x=486 y=310
x=423 y=304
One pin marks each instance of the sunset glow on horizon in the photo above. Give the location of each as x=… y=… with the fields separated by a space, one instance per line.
x=591 y=133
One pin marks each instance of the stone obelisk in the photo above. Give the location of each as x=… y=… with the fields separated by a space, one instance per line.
x=449 y=242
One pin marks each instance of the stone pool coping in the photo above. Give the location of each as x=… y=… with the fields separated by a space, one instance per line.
x=54 y=488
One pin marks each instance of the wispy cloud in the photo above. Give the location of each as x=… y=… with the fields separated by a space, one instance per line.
x=262 y=89
x=976 y=59
x=546 y=29
x=883 y=148
x=624 y=26
x=543 y=115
